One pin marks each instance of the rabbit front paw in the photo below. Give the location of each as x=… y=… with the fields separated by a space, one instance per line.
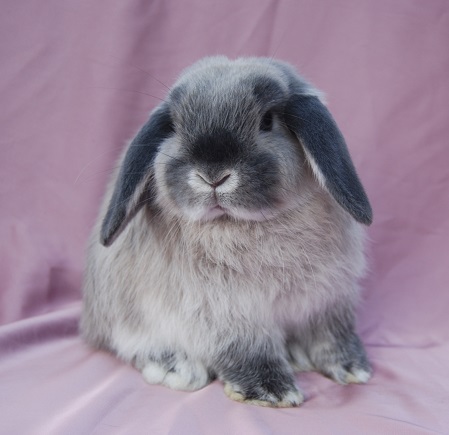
x=344 y=360
x=262 y=396
x=262 y=381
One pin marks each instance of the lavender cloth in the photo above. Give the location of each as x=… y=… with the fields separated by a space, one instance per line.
x=77 y=78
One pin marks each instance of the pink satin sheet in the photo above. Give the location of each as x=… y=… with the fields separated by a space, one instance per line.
x=77 y=79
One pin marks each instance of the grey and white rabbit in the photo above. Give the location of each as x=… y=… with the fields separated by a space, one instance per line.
x=229 y=245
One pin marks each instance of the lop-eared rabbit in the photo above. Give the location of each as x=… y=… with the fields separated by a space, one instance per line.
x=229 y=243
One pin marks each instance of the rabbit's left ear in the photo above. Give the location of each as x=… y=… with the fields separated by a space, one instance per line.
x=328 y=154
x=134 y=184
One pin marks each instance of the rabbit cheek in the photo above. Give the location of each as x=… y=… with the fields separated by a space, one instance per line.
x=188 y=202
x=259 y=184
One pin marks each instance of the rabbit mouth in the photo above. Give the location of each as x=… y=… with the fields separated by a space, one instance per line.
x=218 y=212
x=214 y=212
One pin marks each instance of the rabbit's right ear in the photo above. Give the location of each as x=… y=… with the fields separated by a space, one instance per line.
x=134 y=185
x=328 y=154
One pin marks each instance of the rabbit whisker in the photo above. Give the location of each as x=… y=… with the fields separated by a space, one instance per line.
x=131 y=90
x=129 y=64
x=171 y=157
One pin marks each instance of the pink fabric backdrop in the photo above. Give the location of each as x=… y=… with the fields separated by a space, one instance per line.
x=73 y=90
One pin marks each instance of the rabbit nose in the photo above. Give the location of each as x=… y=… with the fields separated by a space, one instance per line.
x=216 y=181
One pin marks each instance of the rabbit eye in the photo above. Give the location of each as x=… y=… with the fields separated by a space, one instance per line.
x=267 y=121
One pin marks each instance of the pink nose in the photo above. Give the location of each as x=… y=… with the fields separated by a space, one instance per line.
x=215 y=183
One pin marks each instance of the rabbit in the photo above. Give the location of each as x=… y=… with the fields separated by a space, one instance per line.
x=231 y=239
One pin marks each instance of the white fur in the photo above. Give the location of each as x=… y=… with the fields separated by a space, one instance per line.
x=315 y=169
x=187 y=377
x=358 y=377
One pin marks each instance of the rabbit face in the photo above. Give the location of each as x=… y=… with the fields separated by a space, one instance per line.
x=226 y=159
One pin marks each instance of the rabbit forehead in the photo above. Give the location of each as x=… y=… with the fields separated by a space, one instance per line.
x=219 y=93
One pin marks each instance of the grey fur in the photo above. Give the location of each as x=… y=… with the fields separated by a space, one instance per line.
x=249 y=291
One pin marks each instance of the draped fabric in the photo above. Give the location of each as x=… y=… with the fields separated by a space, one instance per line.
x=77 y=79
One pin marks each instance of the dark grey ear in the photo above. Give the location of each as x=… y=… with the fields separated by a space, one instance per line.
x=326 y=150
x=134 y=187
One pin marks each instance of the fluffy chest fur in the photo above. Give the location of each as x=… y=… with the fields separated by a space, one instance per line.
x=206 y=281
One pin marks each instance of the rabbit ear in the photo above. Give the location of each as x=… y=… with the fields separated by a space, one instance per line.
x=134 y=185
x=327 y=154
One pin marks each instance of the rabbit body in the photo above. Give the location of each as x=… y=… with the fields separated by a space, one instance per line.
x=231 y=255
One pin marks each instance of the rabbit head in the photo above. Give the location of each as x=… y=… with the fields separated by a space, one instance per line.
x=232 y=141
